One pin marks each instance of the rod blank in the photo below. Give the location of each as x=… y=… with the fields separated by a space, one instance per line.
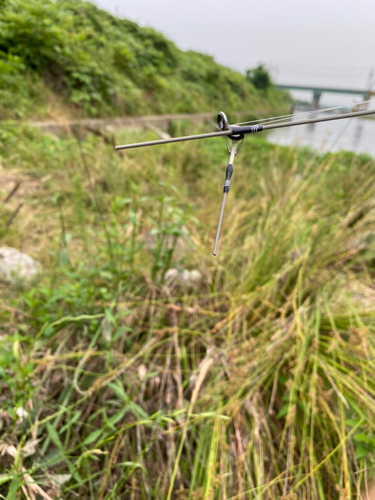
x=228 y=175
x=317 y=120
x=218 y=230
x=235 y=130
x=174 y=139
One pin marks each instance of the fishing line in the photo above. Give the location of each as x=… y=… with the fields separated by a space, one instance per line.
x=275 y=119
x=305 y=113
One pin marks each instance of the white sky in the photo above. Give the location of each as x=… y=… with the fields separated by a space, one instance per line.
x=312 y=42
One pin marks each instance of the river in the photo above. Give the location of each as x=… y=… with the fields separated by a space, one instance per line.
x=354 y=134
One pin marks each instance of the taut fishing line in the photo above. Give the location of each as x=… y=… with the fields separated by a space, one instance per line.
x=275 y=119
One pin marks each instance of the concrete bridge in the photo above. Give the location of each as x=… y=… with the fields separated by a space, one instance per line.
x=318 y=91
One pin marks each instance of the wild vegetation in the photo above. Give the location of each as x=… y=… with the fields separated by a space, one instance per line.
x=137 y=365
x=255 y=381
x=68 y=57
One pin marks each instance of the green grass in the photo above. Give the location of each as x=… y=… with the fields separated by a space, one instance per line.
x=258 y=383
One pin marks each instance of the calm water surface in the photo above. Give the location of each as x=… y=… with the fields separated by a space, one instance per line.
x=355 y=134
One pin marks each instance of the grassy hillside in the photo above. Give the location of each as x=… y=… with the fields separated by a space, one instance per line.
x=69 y=57
x=256 y=382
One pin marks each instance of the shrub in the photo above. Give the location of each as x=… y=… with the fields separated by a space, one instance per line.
x=91 y=59
x=259 y=77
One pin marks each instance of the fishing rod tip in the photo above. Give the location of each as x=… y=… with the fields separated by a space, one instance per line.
x=214 y=254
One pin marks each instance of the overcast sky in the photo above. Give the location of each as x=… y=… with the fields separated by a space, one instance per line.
x=320 y=42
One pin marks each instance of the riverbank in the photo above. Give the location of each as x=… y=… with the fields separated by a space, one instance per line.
x=251 y=373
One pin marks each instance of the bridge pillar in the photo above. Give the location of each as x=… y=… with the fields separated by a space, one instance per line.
x=315 y=101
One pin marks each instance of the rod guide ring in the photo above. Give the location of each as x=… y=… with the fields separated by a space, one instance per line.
x=222 y=121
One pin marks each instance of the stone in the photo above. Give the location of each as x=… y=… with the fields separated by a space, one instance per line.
x=186 y=278
x=17 y=268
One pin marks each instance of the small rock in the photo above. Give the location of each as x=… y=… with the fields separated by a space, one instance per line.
x=17 y=267
x=142 y=371
x=29 y=447
x=60 y=479
x=185 y=278
x=171 y=275
x=107 y=329
x=195 y=276
x=21 y=414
